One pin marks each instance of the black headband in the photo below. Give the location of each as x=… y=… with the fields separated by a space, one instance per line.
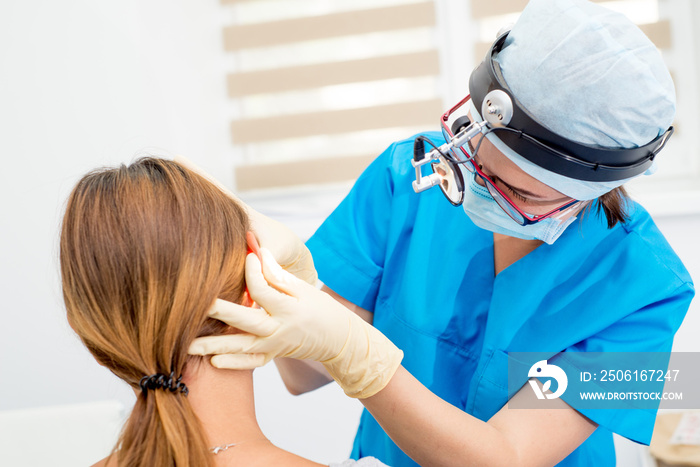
x=533 y=141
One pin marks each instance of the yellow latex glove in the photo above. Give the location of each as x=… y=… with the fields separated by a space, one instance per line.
x=286 y=247
x=300 y=321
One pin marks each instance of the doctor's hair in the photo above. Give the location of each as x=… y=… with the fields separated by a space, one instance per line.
x=613 y=205
x=145 y=250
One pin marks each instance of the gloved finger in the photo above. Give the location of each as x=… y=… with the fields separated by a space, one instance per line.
x=248 y=319
x=230 y=343
x=253 y=244
x=274 y=235
x=234 y=344
x=239 y=361
x=286 y=247
x=279 y=278
x=266 y=295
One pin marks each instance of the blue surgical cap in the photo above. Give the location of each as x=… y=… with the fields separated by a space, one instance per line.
x=590 y=75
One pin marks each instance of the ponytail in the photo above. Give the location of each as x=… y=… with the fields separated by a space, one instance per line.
x=163 y=431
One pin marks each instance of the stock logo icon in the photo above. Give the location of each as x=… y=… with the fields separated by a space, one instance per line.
x=542 y=369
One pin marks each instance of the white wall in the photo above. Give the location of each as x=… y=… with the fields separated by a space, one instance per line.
x=682 y=234
x=84 y=84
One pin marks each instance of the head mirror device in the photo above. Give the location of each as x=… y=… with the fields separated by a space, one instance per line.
x=521 y=132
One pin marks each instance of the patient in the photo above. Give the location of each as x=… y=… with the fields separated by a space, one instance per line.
x=145 y=251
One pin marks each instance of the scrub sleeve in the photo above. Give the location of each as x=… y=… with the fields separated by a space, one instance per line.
x=427 y=274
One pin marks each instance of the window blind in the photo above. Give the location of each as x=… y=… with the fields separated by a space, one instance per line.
x=316 y=89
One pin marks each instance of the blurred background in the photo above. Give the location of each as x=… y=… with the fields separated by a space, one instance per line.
x=285 y=101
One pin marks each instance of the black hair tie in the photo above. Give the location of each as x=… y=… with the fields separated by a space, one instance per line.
x=161 y=381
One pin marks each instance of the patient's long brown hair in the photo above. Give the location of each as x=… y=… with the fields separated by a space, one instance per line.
x=145 y=250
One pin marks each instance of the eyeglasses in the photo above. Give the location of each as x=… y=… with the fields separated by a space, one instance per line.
x=453 y=121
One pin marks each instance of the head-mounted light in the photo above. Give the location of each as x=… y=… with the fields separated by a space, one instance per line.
x=520 y=131
x=527 y=137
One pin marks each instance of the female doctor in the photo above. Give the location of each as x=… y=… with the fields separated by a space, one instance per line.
x=550 y=257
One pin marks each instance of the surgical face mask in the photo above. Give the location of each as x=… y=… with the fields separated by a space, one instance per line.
x=486 y=214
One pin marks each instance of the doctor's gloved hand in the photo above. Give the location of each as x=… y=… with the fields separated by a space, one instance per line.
x=299 y=321
x=286 y=247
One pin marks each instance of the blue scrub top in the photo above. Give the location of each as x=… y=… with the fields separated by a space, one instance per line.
x=427 y=273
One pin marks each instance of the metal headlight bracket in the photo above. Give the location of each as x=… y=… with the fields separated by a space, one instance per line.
x=497 y=108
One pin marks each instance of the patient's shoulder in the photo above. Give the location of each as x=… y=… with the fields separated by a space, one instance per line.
x=106 y=462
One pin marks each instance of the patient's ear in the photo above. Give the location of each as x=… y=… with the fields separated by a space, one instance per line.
x=248 y=301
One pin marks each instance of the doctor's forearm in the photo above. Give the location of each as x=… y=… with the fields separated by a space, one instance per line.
x=433 y=432
x=302 y=376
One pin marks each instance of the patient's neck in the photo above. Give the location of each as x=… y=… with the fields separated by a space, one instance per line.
x=223 y=401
